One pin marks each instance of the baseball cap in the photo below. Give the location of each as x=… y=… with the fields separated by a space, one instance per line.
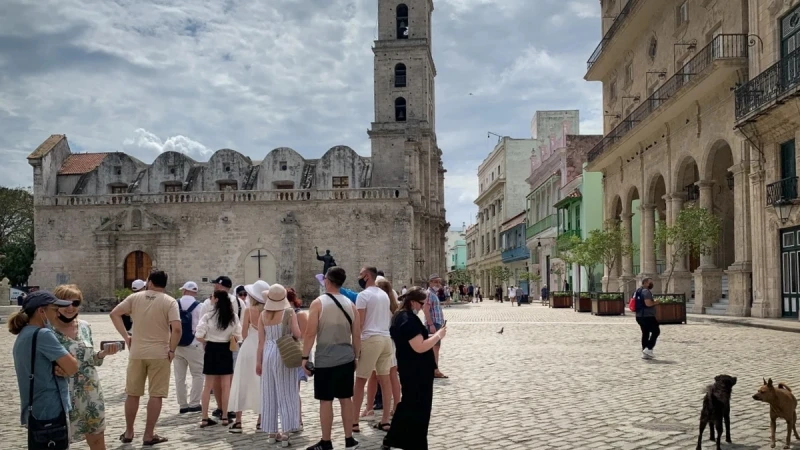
x=138 y=285
x=224 y=281
x=190 y=286
x=434 y=277
x=42 y=298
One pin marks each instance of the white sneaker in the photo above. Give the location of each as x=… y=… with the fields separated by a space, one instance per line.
x=644 y=355
x=649 y=353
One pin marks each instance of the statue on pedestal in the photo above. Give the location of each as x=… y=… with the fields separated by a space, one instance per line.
x=327 y=260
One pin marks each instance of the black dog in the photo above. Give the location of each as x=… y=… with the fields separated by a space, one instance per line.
x=716 y=409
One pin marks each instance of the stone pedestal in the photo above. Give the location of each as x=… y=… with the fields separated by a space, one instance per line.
x=707 y=288
x=739 y=289
x=680 y=283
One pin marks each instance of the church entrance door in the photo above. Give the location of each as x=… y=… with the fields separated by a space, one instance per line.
x=260 y=265
x=137 y=266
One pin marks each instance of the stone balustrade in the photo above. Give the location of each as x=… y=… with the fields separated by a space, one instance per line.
x=287 y=195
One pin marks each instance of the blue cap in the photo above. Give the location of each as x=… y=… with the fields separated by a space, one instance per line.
x=39 y=299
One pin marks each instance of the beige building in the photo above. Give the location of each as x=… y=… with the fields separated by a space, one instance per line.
x=669 y=69
x=104 y=219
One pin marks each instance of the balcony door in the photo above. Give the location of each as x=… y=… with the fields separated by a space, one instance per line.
x=790 y=271
x=790 y=41
x=788 y=161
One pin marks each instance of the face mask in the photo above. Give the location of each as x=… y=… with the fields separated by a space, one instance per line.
x=650 y=286
x=363 y=283
x=66 y=319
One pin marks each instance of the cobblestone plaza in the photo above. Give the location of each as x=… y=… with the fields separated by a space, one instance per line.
x=555 y=379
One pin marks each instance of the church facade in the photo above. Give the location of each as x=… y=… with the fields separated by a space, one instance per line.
x=105 y=219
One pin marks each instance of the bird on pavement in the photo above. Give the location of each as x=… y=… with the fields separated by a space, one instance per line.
x=501 y=330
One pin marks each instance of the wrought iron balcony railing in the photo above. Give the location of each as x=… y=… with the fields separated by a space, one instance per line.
x=516 y=254
x=723 y=46
x=612 y=30
x=784 y=190
x=768 y=86
x=538 y=227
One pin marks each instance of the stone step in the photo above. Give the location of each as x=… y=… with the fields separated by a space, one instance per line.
x=716 y=311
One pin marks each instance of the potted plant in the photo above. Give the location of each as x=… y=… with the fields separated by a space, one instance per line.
x=608 y=304
x=670 y=308
x=583 y=302
x=561 y=299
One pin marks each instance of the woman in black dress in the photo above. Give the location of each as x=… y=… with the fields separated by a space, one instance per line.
x=415 y=364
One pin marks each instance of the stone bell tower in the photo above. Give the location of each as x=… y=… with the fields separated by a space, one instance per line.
x=403 y=135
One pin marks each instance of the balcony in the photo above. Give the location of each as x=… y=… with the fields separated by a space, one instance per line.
x=768 y=89
x=538 y=227
x=706 y=71
x=515 y=254
x=497 y=182
x=782 y=191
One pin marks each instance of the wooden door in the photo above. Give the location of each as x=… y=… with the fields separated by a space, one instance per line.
x=790 y=271
x=137 y=266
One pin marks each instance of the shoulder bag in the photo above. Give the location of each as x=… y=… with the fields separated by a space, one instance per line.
x=288 y=347
x=52 y=434
x=347 y=316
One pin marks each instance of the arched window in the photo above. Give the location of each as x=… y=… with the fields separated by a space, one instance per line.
x=402 y=21
x=400 y=75
x=400 y=109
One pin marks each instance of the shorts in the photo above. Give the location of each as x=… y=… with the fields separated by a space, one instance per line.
x=376 y=355
x=155 y=371
x=438 y=327
x=334 y=382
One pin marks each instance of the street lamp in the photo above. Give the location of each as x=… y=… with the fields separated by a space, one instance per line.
x=784 y=208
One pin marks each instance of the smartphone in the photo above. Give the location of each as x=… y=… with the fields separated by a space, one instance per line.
x=120 y=344
x=445 y=323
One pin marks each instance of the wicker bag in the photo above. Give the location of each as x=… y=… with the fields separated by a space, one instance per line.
x=289 y=348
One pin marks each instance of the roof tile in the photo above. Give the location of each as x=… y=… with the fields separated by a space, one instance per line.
x=81 y=163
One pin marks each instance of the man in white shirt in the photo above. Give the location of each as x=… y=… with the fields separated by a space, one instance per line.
x=512 y=295
x=189 y=355
x=376 y=344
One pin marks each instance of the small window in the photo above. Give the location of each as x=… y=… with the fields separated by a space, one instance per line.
x=341 y=182
x=652 y=49
x=227 y=168
x=283 y=185
x=402 y=21
x=629 y=74
x=173 y=170
x=682 y=14
x=136 y=219
x=400 y=109
x=173 y=187
x=400 y=75
x=119 y=189
x=283 y=166
x=117 y=170
x=228 y=185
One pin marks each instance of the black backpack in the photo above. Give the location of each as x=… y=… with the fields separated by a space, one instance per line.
x=187 y=335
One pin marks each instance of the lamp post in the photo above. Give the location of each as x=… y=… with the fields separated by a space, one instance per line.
x=784 y=209
x=690 y=46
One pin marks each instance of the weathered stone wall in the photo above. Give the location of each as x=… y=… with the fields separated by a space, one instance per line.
x=225 y=165
x=192 y=241
x=273 y=172
x=169 y=167
x=116 y=169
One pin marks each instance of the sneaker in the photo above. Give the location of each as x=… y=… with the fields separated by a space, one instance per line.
x=183 y=410
x=649 y=353
x=645 y=355
x=197 y=408
x=217 y=413
x=322 y=445
x=350 y=443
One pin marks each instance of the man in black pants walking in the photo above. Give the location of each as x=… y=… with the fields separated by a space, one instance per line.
x=646 y=318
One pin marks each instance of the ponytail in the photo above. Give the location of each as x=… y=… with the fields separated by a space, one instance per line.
x=18 y=321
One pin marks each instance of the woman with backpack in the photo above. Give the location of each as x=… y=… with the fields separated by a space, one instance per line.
x=219 y=330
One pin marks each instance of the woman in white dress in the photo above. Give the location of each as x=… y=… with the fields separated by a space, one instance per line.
x=246 y=384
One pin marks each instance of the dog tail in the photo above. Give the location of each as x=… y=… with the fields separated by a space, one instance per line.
x=784 y=386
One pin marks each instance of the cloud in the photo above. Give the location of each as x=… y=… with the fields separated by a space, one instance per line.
x=150 y=76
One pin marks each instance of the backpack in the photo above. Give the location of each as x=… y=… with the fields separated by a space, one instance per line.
x=634 y=301
x=187 y=335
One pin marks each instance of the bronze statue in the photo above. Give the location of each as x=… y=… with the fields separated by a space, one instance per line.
x=327 y=260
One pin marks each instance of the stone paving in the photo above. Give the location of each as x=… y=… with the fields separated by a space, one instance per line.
x=555 y=379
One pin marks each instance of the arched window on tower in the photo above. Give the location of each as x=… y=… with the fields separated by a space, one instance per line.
x=400 y=109
x=402 y=21
x=400 y=75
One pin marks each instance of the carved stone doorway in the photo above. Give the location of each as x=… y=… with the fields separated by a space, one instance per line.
x=138 y=265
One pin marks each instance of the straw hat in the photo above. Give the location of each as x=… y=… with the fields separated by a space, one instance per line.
x=257 y=289
x=276 y=298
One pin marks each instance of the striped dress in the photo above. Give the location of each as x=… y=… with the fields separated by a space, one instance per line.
x=280 y=391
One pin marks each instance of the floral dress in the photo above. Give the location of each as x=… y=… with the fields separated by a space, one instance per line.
x=88 y=408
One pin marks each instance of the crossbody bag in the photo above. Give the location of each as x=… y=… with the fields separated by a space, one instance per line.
x=347 y=316
x=52 y=434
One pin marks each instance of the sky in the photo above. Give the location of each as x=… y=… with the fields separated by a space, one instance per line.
x=147 y=76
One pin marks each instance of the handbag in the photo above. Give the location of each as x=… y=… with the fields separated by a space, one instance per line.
x=51 y=434
x=234 y=344
x=288 y=347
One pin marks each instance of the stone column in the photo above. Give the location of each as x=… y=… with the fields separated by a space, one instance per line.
x=707 y=202
x=707 y=277
x=627 y=282
x=681 y=282
x=740 y=272
x=766 y=291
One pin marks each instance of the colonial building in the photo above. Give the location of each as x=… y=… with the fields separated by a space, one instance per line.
x=669 y=69
x=515 y=254
x=766 y=117
x=455 y=248
x=104 y=219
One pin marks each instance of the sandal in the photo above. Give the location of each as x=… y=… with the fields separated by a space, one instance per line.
x=438 y=374
x=356 y=429
x=235 y=428
x=225 y=422
x=125 y=440
x=385 y=427
x=368 y=415
x=207 y=423
x=156 y=440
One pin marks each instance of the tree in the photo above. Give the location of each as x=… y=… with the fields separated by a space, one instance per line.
x=459 y=276
x=557 y=269
x=532 y=278
x=695 y=231
x=16 y=234
x=501 y=273
x=585 y=253
x=612 y=245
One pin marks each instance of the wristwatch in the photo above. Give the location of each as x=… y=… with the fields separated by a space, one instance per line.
x=304 y=358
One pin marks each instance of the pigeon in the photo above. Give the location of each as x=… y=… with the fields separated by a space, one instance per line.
x=501 y=330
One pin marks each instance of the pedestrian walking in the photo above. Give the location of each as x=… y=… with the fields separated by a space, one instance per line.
x=189 y=354
x=646 y=318
x=416 y=364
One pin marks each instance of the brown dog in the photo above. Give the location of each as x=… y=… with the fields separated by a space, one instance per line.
x=782 y=404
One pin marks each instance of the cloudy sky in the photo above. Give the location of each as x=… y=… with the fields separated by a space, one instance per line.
x=146 y=76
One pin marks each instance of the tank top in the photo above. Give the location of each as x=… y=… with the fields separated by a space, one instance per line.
x=334 y=336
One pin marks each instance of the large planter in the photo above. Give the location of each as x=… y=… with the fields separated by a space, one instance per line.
x=583 y=302
x=670 y=308
x=561 y=300
x=608 y=304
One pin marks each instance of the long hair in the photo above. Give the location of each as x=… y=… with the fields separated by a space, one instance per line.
x=68 y=292
x=294 y=300
x=386 y=285
x=415 y=294
x=223 y=309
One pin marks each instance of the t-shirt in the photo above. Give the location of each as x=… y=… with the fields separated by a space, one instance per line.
x=186 y=302
x=152 y=313
x=50 y=393
x=643 y=310
x=378 y=317
x=405 y=326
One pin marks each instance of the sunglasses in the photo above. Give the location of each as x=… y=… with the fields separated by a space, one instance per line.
x=75 y=303
x=242 y=294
